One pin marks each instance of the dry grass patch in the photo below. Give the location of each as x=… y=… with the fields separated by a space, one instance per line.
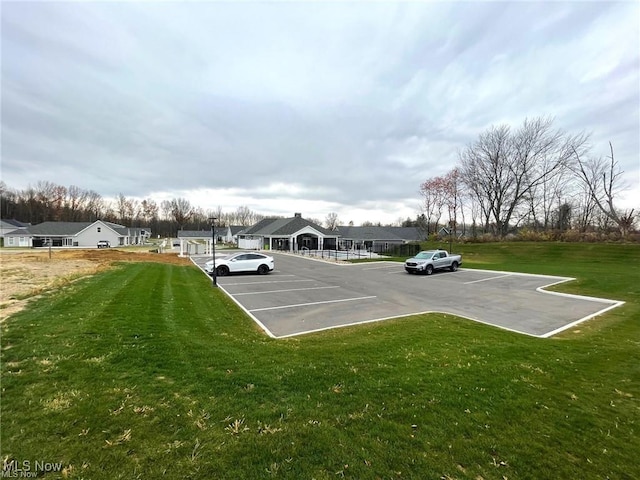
x=26 y=274
x=61 y=401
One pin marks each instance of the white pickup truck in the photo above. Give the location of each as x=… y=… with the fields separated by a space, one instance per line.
x=429 y=260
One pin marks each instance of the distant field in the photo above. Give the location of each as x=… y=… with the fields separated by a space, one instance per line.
x=146 y=371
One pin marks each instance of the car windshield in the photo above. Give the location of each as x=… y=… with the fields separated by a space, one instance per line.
x=427 y=254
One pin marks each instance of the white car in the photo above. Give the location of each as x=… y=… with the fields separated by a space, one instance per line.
x=241 y=262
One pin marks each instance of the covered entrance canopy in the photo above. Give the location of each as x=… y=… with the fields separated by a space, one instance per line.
x=289 y=234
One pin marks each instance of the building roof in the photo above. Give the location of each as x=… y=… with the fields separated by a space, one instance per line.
x=412 y=234
x=65 y=229
x=13 y=223
x=127 y=231
x=58 y=228
x=407 y=234
x=201 y=233
x=273 y=227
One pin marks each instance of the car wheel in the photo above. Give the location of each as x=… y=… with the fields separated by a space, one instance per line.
x=263 y=270
x=454 y=266
x=222 y=271
x=428 y=270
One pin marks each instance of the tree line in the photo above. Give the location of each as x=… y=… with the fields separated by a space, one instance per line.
x=535 y=177
x=47 y=201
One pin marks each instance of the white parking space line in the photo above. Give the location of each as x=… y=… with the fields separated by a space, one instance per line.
x=285 y=290
x=486 y=279
x=267 y=281
x=311 y=303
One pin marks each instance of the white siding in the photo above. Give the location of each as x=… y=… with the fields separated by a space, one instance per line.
x=90 y=236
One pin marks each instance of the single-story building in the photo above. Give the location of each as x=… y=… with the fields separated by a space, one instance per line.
x=291 y=234
x=76 y=234
x=10 y=225
x=376 y=239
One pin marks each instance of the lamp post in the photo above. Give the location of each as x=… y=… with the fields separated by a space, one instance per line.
x=213 y=251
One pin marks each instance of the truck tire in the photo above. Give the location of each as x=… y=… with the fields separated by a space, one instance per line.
x=428 y=270
x=454 y=266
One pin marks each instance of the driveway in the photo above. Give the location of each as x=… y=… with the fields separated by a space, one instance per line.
x=303 y=295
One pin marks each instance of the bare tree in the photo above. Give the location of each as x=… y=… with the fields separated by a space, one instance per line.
x=75 y=202
x=8 y=201
x=49 y=198
x=331 y=221
x=244 y=216
x=126 y=209
x=434 y=199
x=602 y=178
x=485 y=172
x=148 y=210
x=199 y=219
x=222 y=219
x=181 y=211
x=502 y=168
x=453 y=197
x=546 y=197
x=166 y=208
x=95 y=205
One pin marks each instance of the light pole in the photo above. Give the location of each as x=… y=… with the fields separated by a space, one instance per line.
x=213 y=251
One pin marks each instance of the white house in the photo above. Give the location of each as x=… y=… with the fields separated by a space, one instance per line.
x=76 y=234
x=8 y=226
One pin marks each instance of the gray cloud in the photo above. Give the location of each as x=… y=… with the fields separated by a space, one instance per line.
x=343 y=106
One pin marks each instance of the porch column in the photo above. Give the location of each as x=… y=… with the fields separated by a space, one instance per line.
x=320 y=243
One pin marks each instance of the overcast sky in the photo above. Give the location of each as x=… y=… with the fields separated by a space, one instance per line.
x=309 y=107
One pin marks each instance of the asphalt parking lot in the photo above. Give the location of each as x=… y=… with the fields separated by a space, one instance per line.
x=303 y=295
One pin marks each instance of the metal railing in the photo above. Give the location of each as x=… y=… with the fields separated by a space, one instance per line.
x=337 y=254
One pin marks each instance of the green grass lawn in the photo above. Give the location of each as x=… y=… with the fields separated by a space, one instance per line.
x=146 y=371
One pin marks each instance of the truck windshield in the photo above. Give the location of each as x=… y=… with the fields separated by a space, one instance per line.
x=427 y=254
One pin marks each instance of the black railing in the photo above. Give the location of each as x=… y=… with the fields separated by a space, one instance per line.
x=336 y=254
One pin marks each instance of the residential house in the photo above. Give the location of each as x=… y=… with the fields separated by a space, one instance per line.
x=7 y=226
x=76 y=234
